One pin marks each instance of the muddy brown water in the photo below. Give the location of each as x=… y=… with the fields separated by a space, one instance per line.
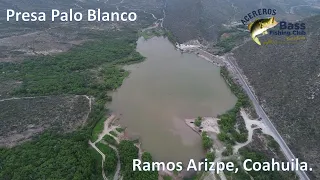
x=161 y=92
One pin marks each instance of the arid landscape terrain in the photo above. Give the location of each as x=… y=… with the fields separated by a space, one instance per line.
x=287 y=84
x=56 y=81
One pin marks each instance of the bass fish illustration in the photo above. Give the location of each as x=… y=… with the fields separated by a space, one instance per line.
x=261 y=26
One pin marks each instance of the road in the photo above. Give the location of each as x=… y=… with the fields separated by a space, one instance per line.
x=102 y=161
x=117 y=173
x=107 y=128
x=265 y=119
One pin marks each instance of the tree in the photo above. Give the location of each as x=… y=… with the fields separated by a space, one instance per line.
x=198 y=121
x=146 y=157
x=222 y=136
x=146 y=175
x=206 y=141
x=51 y=156
x=211 y=156
x=110 y=139
x=228 y=151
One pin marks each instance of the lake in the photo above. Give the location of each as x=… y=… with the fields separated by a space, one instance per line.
x=162 y=91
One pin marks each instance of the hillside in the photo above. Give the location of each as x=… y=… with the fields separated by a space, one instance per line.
x=286 y=80
x=203 y=19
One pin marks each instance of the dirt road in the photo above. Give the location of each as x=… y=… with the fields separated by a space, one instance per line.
x=106 y=131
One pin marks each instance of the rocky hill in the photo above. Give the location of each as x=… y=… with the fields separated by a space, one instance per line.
x=194 y=19
x=286 y=79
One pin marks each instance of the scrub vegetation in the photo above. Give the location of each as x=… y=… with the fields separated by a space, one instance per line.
x=86 y=62
x=149 y=33
x=230 y=38
x=128 y=151
x=285 y=77
x=120 y=130
x=206 y=141
x=92 y=69
x=228 y=120
x=157 y=32
x=233 y=131
x=98 y=128
x=211 y=156
x=111 y=158
x=110 y=139
x=51 y=156
x=113 y=133
x=22 y=119
x=73 y=72
x=240 y=175
x=198 y=121
x=257 y=156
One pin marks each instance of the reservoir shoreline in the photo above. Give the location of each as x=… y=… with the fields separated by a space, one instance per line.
x=183 y=87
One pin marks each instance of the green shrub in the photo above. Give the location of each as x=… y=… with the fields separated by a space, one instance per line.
x=114 y=134
x=110 y=139
x=111 y=158
x=211 y=156
x=198 y=121
x=228 y=151
x=120 y=130
x=206 y=141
